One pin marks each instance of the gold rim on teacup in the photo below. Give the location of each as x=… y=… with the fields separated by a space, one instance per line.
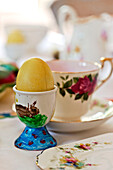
x=68 y=72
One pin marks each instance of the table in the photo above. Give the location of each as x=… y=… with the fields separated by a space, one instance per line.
x=12 y=158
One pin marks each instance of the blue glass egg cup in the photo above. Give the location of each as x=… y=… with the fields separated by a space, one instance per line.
x=35 y=139
x=29 y=106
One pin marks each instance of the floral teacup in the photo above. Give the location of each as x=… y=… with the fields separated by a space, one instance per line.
x=76 y=82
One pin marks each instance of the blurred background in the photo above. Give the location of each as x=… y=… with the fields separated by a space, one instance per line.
x=27 y=28
x=23 y=25
x=59 y=29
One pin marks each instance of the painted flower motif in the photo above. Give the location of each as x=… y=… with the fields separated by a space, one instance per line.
x=85 y=147
x=68 y=49
x=82 y=86
x=67 y=152
x=82 y=146
x=77 y=49
x=96 y=143
x=71 y=160
x=92 y=87
x=98 y=103
x=104 y=35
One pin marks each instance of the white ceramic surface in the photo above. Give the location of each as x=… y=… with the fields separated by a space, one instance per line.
x=44 y=101
x=100 y=111
x=94 y=153
x=15 y=51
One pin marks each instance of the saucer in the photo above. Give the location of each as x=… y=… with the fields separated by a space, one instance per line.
x=91 y=153
x=100 y=111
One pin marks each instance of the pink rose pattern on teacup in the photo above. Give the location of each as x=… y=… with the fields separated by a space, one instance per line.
x=80 y=87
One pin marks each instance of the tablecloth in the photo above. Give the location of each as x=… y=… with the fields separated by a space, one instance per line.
x=12 y=158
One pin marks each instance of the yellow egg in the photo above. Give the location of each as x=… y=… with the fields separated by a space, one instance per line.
x=15 y=37
x=34 y=76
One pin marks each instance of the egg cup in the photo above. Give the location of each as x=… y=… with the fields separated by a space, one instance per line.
x=35 y=109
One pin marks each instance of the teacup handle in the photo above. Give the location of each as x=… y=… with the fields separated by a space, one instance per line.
x=103 y=60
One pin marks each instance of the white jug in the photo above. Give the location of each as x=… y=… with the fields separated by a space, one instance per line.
x=86 y=38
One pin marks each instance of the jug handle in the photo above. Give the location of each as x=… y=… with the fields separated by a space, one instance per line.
x=103 y=60
x=64 y=13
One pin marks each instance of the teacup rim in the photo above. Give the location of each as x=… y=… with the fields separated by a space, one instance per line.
x=34 y=93
x=74 y=72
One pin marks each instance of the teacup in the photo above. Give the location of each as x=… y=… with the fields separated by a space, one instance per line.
x=76 y=82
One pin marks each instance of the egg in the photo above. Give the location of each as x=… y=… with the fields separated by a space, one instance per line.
x=15 y=37
x=35 y=76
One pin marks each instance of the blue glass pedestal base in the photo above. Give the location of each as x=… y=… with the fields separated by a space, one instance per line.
x=35 y=139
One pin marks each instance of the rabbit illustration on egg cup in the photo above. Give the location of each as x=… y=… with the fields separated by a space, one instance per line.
x=35 y=109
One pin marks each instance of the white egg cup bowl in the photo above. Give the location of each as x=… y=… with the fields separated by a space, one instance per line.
x=35 y=109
